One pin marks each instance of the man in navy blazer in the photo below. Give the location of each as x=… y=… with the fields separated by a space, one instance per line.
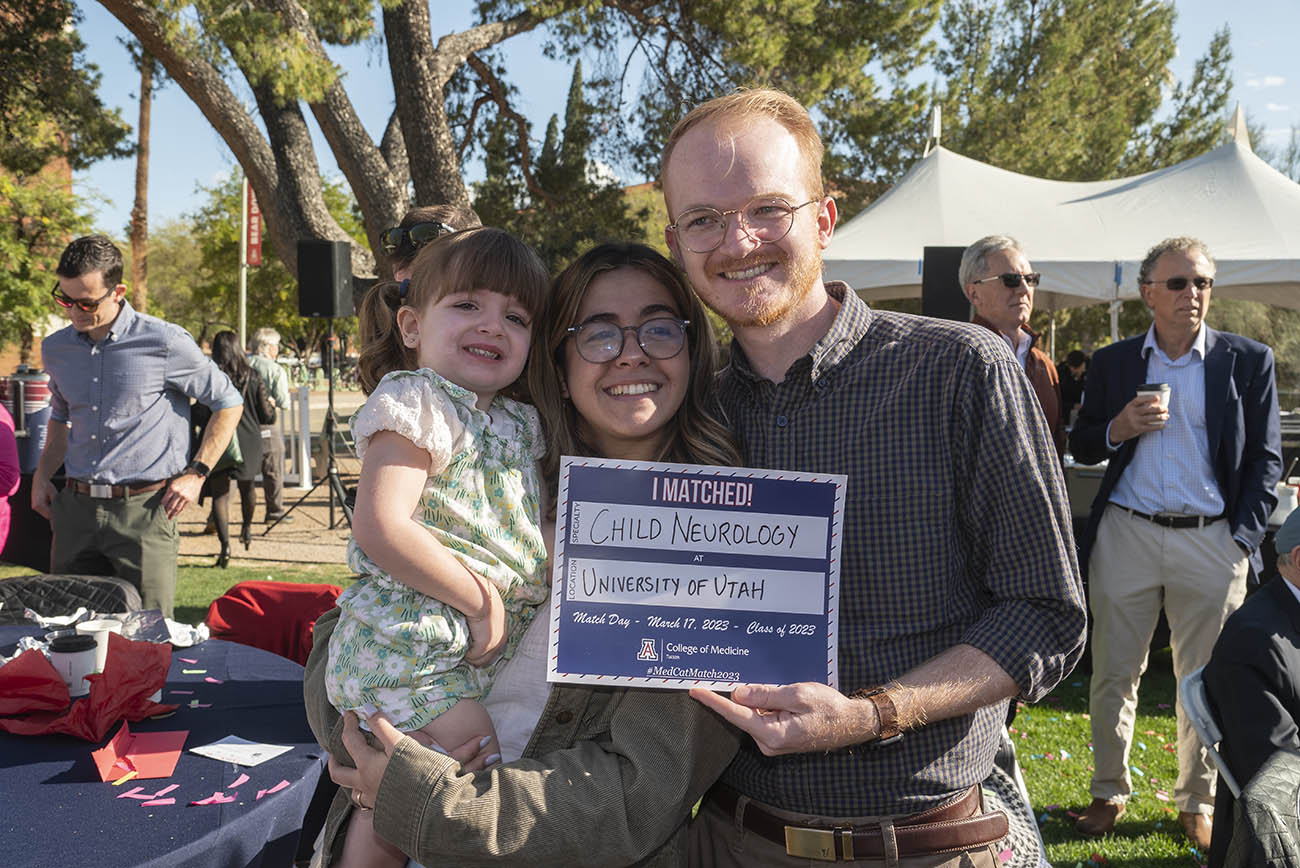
x=1253 y=678
x=1180 y=514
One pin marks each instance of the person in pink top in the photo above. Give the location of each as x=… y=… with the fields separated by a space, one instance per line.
x=9 y=470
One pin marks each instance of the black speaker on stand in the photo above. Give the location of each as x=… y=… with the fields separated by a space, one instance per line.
x=941 y=292
x=325 y=289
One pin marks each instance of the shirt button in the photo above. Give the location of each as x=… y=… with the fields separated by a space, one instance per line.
x=782 y=421
x=564 y=717
x=94 y=436
x=94 y=379
x=94 y=407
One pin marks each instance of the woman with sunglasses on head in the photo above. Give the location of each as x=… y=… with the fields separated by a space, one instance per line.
x=621 y=368
x=420 y=226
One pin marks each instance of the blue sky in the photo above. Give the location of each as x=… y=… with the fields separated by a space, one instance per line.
x=186 y=151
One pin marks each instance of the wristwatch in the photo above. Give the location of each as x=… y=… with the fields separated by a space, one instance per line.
x=198 y=468
x=885 y=710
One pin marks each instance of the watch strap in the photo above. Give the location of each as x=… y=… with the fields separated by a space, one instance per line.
x=198 y=468
x=888 y=731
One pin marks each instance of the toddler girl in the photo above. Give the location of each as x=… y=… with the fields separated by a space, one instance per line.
x=446 y=535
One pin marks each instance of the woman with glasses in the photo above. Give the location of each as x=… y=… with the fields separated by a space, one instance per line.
x=621 y=367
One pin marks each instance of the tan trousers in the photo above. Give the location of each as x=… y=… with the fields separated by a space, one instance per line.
x=1199 y=576
x=717 y=840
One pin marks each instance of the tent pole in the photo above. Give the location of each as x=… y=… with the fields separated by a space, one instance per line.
x=1051 y=337
x=1114 y=319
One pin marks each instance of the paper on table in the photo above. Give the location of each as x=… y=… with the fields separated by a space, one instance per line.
x=148 y=754
x=233 y=749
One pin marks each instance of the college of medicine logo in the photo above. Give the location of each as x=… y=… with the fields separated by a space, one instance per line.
x=648 y=650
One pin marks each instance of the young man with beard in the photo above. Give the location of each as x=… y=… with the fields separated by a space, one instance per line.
x=959 y=588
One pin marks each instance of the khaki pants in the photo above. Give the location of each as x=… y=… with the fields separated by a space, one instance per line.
x=1198 y=575
x=717 y=840
x=273 y=470
x=129 y=537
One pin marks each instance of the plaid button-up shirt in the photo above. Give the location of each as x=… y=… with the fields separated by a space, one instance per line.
x=956 y=530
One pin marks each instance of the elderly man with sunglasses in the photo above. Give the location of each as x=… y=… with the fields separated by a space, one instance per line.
x=121 y=384
x=1188 y=418
x=997 y=280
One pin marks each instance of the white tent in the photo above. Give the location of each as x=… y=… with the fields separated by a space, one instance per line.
x=1086 y=238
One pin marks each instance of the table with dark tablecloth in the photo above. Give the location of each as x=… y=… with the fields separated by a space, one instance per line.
x=57 y=812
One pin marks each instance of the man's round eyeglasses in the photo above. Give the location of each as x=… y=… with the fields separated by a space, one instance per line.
x=85 y=305
x=766 y=219
x=1011 y=279
x=599 y=341
x=420 y=233
x=1178 y=284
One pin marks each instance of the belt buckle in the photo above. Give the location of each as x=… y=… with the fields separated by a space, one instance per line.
x=816 y=843
x=101 y=490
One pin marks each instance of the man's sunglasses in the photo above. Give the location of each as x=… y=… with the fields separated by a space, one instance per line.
x=1178 y=284
x=85 y=305
x=1011 y=279
x=413 y=236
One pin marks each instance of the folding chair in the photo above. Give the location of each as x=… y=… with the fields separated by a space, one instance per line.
x=274 y=616
x=1191 y=691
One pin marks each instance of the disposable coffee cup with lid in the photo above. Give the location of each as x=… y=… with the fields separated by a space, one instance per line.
x=73 y=657
x=1160 y=390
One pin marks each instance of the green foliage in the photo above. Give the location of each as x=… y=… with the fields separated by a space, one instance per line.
x=38 y=214
x=1069 y=89
x=49 y=107
x=573 y=207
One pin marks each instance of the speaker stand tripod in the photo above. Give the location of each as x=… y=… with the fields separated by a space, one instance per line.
x=336 y=490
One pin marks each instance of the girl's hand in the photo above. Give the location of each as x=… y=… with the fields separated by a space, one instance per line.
x=488 y=632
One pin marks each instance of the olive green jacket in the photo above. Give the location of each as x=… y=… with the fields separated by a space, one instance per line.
x=609 y=778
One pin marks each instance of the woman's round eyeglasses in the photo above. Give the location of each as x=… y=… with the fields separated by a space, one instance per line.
x=599 y=341
x=765 y=219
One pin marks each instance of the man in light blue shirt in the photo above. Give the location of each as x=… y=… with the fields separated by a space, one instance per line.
x=266 y=346
x=120 y=385
x=1180 y=513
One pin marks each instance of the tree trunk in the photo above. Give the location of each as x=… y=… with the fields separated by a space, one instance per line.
x=140 y=210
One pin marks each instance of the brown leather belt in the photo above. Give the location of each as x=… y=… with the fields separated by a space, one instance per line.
x=952 y=826
x=103 y=491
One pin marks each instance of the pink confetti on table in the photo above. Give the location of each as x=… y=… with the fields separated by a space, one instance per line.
x=157 y=802
x=182 y=692
x=1005 y=855
x=217 y=798
x=187 y=659
x=274 y=789
x=242 y=779
x=212 y=680
x=165 y=790
x=201 y=705
x=131 y=793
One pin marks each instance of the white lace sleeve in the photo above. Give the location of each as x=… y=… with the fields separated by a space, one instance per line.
x=411 y=405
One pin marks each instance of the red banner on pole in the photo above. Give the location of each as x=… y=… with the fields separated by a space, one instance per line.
x=254 y=252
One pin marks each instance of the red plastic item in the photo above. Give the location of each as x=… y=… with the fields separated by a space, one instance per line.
x=274 y=616
x=30 y=683
x=133 y=672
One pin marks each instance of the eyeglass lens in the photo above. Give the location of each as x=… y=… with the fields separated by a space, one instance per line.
x=420 y=233
x=86 y=305
x=767 y=219
x=599 y=341
x=1178 y=284
x=1011 y=279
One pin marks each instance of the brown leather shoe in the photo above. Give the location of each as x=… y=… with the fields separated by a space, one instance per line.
x=1197 y=829
x=1099 y=818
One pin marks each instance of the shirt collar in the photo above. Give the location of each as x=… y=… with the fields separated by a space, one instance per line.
x=1026 y=333
x=1198 y=345
x=850 y=324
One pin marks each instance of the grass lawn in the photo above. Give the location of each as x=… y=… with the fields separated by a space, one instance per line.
x=1052 y=747
x=1051 y=740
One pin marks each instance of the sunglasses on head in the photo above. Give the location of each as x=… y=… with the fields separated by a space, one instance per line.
x=1011 y=279
x=1178 y=284
x=86 y=305
x=413 y=236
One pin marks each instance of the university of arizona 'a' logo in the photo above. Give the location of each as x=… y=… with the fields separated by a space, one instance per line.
x=648 y=650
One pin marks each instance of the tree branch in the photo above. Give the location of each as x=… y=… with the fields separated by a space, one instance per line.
x=498 y=93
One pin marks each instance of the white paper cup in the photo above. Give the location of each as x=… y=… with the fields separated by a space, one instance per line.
x=1159 y=390
x=73 y=657
x=99 y=630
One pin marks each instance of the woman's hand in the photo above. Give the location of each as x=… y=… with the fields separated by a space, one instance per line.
x=487 y=632
x=371 y=762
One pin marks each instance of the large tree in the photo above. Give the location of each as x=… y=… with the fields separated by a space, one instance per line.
x=448 y=88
